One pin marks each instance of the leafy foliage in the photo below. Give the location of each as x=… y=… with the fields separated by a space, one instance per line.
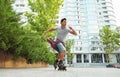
x=110 y=39
x=9 y=27
x=69 y=44
x=27 y=41
x=43 y=17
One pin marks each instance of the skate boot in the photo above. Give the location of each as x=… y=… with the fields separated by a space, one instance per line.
x=55 y=64
x=61 y=66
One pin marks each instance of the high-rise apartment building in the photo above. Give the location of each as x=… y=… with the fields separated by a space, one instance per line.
x=88 y=17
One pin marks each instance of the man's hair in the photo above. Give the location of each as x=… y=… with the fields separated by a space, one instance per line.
x=63 y=19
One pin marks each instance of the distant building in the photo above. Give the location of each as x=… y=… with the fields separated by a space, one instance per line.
x=21 y=6
x=88 y=17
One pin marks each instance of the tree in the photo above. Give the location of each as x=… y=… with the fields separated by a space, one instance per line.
x=117 y=41
x=43 y=16
x=69 y=44
x=9 y=27
x=23 y=41
x=109 y=39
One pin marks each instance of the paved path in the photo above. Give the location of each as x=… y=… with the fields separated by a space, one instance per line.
x=50 y=72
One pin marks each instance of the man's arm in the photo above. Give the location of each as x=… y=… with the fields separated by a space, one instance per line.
x=72 y=31
x=49 y=30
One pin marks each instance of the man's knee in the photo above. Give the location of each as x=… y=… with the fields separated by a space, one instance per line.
x=61 y=55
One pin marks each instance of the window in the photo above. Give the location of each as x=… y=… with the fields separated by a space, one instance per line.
x=93 y=48
x=104 y=7
x=79 y=37
x=93 y=42
x=106 y=58
x=78 y=58
x=105 y=11
x=78 y=48
x=118 y=58
x=17 y=5
x=96 y=49
x=97 y=0
x=107 y=21
x=106 y=16
x=96 y=58
x=78 y=16
x=99 y=13
x=86 y=58
x=22 y=5
x=79 y=31
x=103 y=3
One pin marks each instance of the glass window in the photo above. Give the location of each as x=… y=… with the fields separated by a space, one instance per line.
x=78 y=58
x=22 y=5
x=118 y=58
x=103 y=3
x=97 y=0
x=105 y=11
x=106 y=58
x=99 y=13
x=79 y=48
x=93 y=48
x=86 y=58
x=106 y=16
x=79 y=31
x=17 y=5
x=96 y=49
x=104 y=7
x=107 y=21
x=96 y=58
x=79 y=37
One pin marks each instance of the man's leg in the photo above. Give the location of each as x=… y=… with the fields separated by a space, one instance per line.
x=62 y=51
x=61 y=55
x=56 y=62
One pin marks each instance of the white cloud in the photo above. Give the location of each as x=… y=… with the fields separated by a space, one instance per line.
x=116 y=6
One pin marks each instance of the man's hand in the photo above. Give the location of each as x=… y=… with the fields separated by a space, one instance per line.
x=70 y=27
x=44 y=32
x=72 y=31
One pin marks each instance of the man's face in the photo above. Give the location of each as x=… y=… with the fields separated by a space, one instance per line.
x=63 y=23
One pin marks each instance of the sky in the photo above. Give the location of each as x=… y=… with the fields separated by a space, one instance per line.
x=116 y=6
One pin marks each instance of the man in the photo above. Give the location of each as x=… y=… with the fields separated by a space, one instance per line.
x=61 y=35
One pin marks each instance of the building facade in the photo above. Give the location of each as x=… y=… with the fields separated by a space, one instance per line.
x=88 y=17
x=21 y=6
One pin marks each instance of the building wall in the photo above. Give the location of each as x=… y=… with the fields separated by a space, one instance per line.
x=21 y=6
x=87 y=17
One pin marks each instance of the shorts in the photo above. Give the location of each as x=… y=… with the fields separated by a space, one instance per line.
x=61 y=47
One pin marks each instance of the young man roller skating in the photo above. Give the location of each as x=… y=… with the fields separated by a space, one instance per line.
x=59 y=44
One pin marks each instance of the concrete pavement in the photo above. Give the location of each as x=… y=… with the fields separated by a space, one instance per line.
x=71 y=72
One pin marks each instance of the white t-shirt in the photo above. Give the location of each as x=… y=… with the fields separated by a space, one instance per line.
x=62 y=33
